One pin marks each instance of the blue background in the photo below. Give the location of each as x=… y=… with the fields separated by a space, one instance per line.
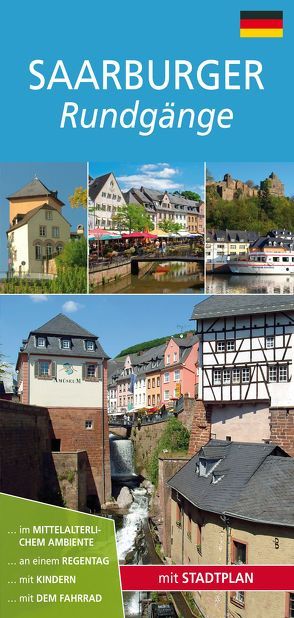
x=263 y=120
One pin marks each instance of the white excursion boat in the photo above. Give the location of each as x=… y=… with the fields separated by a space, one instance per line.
x=261 y=263
x=272 y=254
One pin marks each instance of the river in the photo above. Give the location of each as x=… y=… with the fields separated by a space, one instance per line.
x=249 y=284
x=164 y=278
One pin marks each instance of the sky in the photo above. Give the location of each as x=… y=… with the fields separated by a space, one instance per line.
x=162 y=176
x=255 y=172
x=64 y=177
x=119 y=321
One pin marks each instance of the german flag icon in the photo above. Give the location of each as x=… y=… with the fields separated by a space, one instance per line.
x=261 y=24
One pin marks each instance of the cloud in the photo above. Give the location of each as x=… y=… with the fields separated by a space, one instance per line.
x=160 y=176
x=71 y=306
x=39 y=298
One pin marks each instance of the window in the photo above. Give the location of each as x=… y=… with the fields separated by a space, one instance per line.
x=38 y=252
x=220 y=346
x=166 y=395
x=66 y=344
x=42 y=230
x=149 y=383
x=88 y=424
x=55 y=232
x=290 y=613
x=55 y=445
x=226 y=376
x=59 y=249
x=236 y=376
x=166 y=378
x=92 y=372
x=153 y=400
x=153 y=382
x=49 y=251
x=283 y=373
x=245 y=375
x=273 y=373
x=217 y=377
x=49 y=215
x=269 y=342
x=43 y=369
x=168 y=359
x=177 y=375
x=158 y=381
x=41 y=342
x=239 y=552
x=89 y=345
x=230 y=345
x=175 y=357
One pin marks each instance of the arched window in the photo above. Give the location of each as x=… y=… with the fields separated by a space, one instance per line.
x=49 y=251
x=59 y=248
x=38 y=252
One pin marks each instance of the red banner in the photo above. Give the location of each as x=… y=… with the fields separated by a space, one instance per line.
x=212 y=577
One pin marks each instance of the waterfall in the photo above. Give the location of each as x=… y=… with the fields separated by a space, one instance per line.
x=132 y=523
x=121 y=458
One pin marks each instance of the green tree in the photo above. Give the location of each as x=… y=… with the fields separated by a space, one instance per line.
x=169 y=226
x=73 y=254
x=175 y=438
x=79 y=198
x=133 y=218
x=191 y=195
x=265 y=198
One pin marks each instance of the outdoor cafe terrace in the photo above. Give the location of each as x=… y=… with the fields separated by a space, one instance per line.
x=111 y=247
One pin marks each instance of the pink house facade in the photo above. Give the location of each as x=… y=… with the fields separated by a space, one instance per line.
x=179 y=375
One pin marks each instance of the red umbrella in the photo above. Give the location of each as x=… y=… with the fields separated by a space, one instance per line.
x=97 y=232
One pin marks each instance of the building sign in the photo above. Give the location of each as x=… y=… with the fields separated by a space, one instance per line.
x=69 y=370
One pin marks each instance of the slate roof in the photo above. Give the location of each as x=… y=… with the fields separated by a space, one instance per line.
x=231 y=236
x=35 y=188
x=218 y=306
x=255 y=481
x=139 y=196
x=96 y=185
x=58 y=327
x=29 y=215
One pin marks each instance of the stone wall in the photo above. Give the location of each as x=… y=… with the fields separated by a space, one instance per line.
x=24 y=440
x=68 y=426
x=282 y=428
x=167 y=467
x=201 y=428
x=71 y=471
x=29 y=469
x=145 y=439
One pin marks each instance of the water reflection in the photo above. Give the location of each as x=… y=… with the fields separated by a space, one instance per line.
x=249 y=284
x=161 y=278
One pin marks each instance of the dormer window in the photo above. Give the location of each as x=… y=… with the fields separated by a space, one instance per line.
x=65 y=344
x=206 y=466
x=41 y=342
x=89 y=345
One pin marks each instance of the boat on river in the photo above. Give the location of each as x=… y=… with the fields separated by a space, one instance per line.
x=272 y=254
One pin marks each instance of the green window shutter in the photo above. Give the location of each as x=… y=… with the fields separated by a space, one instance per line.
x=36 y=369
x=84 y=370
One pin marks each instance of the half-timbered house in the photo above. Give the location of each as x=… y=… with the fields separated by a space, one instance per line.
x=246 y=366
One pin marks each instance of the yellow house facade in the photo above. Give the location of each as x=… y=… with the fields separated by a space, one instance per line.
x=36 y=237
x=32 y=195
x=254 y=480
